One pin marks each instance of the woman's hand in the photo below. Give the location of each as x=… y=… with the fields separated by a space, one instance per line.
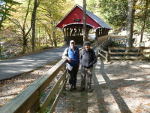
x=69 y=60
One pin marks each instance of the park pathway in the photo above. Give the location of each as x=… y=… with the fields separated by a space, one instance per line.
x=16 y=66
x=119 y=87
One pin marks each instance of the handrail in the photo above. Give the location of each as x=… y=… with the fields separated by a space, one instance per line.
x=103 y=54
x=29 y=99
x=101 y=50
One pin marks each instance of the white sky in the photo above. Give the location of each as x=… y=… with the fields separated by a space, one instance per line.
x=79 y=2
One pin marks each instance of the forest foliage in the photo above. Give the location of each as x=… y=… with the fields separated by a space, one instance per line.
x=115 y=12
x=29 y=25
x=19 y=18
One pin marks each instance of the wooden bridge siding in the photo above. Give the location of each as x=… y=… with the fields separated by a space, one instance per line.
x=102 y=39
x=71 y=30
x=77 y=29
x=77 y=39
x=101 y=32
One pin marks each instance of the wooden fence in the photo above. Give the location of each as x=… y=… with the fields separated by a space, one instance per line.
x=129 y=53
x=29 y=99
x=125 y=53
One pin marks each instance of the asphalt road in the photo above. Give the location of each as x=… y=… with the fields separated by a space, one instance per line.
x=12 y=67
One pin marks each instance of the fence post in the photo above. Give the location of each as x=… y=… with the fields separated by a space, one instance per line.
x=141 y=51
x=107 y=57
x=35 y=107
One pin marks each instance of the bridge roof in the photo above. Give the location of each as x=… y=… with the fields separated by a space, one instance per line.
x=75 y=16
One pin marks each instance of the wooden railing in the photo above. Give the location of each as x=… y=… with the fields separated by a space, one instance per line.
x=103 y=53
x=120 y=53
x=29 y=99
x=129 y=53
x=106 y=43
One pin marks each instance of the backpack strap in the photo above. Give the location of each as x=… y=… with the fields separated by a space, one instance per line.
x=77 y=48
x=83 y=52
x=67 y=50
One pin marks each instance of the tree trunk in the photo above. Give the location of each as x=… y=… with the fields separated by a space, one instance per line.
x=49 y=35
x=24 y=44
x=39 y=37
x=84 y=21
x=130 y=21
x=24 y=33
x=54 y=39
x=144 y=20
x=33 y=21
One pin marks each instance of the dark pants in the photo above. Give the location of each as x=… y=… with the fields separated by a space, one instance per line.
x=73 y=76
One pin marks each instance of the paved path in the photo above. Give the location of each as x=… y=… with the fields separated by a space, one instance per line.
x=119 y=87
x=11 y=67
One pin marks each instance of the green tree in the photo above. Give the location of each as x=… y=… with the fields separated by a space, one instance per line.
x=38 y=21
x=22 y=23
x=146 y=4
x=94 y=6
x=6 y=6
x=49 y=14
x=114 y=12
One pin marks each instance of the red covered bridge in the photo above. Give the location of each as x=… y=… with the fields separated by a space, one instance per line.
x=72 y=25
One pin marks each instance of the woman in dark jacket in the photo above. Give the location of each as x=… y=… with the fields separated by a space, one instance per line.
x=87 y=59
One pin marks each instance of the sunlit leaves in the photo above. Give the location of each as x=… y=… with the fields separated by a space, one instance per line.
x=6 y=6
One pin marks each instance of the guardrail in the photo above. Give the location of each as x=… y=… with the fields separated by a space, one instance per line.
x=29 y=99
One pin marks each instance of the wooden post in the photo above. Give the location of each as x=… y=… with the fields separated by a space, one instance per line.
x=107 y=57
x=109 y=51
x=35 y=107
x=141 y=51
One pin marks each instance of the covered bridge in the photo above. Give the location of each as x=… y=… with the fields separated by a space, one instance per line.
x=72 y=25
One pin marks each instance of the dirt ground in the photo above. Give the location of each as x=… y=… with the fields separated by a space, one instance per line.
x=119 y=87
